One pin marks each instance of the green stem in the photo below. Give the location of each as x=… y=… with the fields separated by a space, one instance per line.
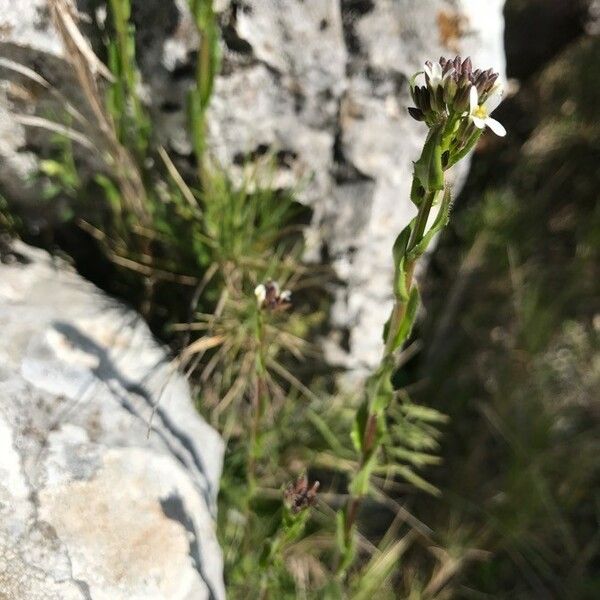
x=421 y=221
x=258 y=403
x=399 y=309
x=370 y=445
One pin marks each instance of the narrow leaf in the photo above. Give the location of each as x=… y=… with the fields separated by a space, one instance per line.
x=428 y=168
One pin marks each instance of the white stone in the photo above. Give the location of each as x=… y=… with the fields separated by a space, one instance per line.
x=94 y=501
x=324 y=83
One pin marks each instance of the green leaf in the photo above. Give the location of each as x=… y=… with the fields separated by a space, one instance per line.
x=428 y=169
x=379 y=388
x=359 y=486
x=111 y=190
x=399 y=253
x=358 y=427
x=328 y=434
x=471 y=142
x=346 y=544
x=379 y=569
x=52 y=168
x=405 y=328
x=416 y=480
x=440 y=222
x=423 y=413
x=417 y=192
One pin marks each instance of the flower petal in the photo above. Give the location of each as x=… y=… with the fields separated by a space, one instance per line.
x=436 y=71
x=494 y=99
x=473 y=98
x=495 y=126
x=260 y=291
x=479 y=123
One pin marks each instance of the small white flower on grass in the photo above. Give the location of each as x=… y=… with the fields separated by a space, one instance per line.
x=269 y=296
x=260 y=291
x=480 y=113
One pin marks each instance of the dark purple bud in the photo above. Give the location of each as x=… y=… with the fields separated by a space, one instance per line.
x=457 y=64
x=425 y=99
x=417 y=96
x=464 y=81
x=467 y=66
x=416 y=113
x=461 y=101
x=414 y=96
x=492 y=80
x=439 y=98
x=481 y=82
x=447 y=66
x=297 y=496
x=485 y=82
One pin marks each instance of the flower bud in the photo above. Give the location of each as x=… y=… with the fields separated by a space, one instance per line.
x=447 y=65
x=424 y=100
x=416 y=113
x=439 y=99
x=298 y=496
x=464 y=82
x=461 y=101
x=467 y=66
x=450 y=89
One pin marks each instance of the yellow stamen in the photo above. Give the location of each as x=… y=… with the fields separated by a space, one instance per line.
x=480 y=112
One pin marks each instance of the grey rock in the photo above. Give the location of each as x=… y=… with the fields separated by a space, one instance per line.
x=97 y=500
x=324 y=85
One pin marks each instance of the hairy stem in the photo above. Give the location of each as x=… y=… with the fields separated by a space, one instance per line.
x=369 y=435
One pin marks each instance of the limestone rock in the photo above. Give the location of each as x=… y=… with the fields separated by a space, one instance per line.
x=96 y=501
x=323 y=84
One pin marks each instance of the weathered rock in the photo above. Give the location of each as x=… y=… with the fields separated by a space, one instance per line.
x=94 y=501
x=324 y=85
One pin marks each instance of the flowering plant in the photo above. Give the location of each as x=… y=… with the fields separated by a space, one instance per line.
x=455 y=102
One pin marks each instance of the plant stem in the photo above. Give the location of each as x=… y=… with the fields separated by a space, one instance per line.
x=386 y=365
x=258 y=403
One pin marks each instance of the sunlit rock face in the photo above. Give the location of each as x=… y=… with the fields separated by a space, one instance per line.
x=108 y=475
x=322 y=84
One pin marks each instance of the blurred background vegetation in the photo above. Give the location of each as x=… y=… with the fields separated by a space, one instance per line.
x=509 y=343
x=512 y=327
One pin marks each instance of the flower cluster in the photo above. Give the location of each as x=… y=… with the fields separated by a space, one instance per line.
x=269 y=296
x=298 y=496
x=453 y=89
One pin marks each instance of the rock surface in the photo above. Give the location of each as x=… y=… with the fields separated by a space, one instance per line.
x=324 y=85
x=90 y=505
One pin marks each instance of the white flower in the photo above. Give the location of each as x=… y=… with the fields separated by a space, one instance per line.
x=260 y=291
x=480 y=113
x=434 y=74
